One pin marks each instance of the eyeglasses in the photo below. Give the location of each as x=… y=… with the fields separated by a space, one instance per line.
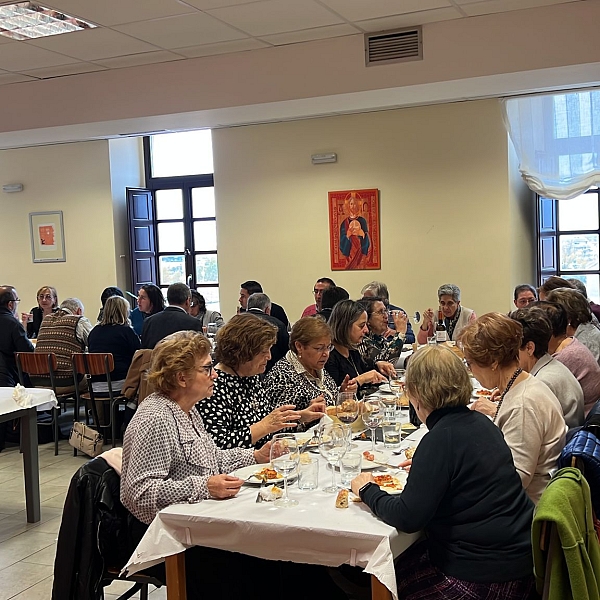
x=45 y=297
x=16 y=300
x=208 y=369
x=322 y=349
x=316 y=292
x=383 y=312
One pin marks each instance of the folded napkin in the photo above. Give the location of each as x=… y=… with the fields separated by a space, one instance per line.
x=22 y=397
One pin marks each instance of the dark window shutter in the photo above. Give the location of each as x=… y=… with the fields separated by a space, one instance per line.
x=140 y=217
x=547 y=247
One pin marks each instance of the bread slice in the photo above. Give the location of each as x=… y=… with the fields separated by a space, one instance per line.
x=342 y=499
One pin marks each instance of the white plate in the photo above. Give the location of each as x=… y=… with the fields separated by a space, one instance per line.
x=402 y=476
x=380 y=457
x=247 y=473
x=301 y=438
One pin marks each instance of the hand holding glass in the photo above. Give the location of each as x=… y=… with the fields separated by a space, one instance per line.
x=284 y=458
x=333 y=443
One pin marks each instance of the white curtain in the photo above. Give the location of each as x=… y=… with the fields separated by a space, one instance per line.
x=557 y=139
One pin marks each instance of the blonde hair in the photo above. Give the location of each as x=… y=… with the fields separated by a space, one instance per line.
x=438 y=378
x=116 y=312
x=50 y=289
x=177 y=353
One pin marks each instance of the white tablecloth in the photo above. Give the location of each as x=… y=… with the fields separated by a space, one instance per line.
x=42 y=399
x=313 y=532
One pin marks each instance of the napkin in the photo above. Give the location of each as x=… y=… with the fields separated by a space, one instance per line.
x=21 y=396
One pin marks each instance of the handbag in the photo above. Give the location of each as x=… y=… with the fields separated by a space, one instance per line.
x=85 y=439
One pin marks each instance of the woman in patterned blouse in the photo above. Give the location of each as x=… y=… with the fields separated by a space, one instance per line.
x=168 y=458
x=300 y=377
x=241 y=413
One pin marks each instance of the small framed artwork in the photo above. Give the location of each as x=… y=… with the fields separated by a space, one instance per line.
x=354 y=230
x=47 y=236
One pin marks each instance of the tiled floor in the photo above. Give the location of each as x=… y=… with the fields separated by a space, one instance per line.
x=27 y=550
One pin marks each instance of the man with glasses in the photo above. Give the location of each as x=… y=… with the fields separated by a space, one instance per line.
x=319 y=287
x=524 y=295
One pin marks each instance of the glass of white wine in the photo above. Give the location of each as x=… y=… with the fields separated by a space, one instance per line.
x=284 y=458
x=373 y=411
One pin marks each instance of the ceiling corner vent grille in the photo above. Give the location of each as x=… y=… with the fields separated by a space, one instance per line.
x=393 y=46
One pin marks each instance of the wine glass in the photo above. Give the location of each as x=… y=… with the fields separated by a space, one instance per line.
x=284 y=458
x=416 y=317
x=332 y=446
x=211 y=331
x=373 y=417
x=347 y=407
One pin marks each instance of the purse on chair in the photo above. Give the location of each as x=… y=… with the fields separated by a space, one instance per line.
x=85 y=439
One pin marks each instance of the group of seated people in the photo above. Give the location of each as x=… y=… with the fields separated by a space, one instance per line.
x=541 y=361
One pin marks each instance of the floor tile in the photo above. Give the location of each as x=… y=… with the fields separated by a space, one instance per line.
x=40 y=591
x=24 y=545
x=20 y=577
x=41 y=557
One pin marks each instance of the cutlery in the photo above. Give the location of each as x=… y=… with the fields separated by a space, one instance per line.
x=314 y=439
x=259 y=498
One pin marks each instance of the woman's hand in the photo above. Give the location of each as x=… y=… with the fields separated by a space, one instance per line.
x=400 y=320
x=280 y=418
x=361 y=480
x=427 y=319
x=223 y=486
x=386 y=368
x=405 y=464
x=264 y=454
x=349 y=385
x=485 y=406
x=316 y=409
x=371 y=377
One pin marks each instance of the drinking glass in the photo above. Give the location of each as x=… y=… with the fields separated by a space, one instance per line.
x=308 y=473
x=391 y=434
x=284 y=458
x=333 y=444
x=350 y=465
x=211 y=331
x=347 y=407
x=372 y=417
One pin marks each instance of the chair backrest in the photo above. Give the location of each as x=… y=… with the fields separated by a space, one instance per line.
x=42 y=363
x=136 y=383
x=99 y=363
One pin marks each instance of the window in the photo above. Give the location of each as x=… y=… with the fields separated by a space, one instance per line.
x=569 y=240
x=182 y=215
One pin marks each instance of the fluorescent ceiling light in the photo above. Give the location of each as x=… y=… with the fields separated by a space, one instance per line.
x=26 y=20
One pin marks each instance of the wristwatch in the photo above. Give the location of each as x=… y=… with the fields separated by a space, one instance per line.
x=365 y=487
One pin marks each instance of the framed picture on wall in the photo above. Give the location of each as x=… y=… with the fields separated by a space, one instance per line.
x=354 y=230
x=47 y=236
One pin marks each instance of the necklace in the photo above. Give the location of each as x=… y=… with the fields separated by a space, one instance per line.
x=508 y=386
x=355 y=369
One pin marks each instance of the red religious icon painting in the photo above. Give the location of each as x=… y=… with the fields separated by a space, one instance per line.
x=354 y=230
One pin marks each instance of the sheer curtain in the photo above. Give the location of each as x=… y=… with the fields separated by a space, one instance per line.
x=557 y=139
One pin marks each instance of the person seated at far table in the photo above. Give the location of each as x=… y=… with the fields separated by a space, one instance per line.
x=527 y=413
x=579 y=318
x=348 y=324
x=199 y=311
x=253 y=287
x=595 y=308
x=535 y=360
x=378 y=289
x=300 y=378
x=169 y=458
x=462 y=491
x=331 y=296
x=320 y=286
x=150 y=301
x=105 y=295
x=382 y=343
x=456 y=316
x=47 y=299
x=240 y=411
x=524 y=295
x=573 y=354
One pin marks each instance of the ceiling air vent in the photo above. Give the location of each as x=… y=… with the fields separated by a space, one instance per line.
x=393 y=46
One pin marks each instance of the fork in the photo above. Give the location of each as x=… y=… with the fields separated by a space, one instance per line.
x=313 y=439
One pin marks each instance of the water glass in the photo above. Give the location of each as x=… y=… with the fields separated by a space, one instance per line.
x=284 y=458
x=350 y=465
x=308 y=473
x=391 y=434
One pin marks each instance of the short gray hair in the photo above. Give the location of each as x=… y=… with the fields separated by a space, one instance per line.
x=378 y=288
x=259 y=300
x=72 y=305
x=578 y=285
x=449 y=289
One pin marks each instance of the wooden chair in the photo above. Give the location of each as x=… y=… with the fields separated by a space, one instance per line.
x=93 y=364
x=42 y=365
x=141 y=580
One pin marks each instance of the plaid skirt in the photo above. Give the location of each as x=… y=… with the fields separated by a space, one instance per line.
x=418 y=579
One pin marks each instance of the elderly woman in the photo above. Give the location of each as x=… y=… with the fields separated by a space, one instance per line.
x=462 y=491
x=168 y=457
x=579 y=317
x=47 y=299
x=552 y=283
x=241 y=412
x=573 y=354
x=382 y=343
x=348 y=324
x=535 y=360
x=198 y=309
x=299 y=378
x=527 y=412
x=456 y=317
x=114 y=334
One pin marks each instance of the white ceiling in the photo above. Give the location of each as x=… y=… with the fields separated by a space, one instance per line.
x=138 y=32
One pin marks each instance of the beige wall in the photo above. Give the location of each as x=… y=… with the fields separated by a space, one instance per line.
x=448 y=205
x=73 y=178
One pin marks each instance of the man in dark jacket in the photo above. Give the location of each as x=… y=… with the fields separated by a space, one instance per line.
x=253 y=287
x=174 y=318
x=260 y=305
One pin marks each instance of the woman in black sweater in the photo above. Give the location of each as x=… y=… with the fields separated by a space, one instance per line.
x=463 y=490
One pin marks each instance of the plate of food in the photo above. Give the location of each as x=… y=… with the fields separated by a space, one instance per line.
x=372 y=460
x=257 y=474
x=482 y=393
x=306 y=436
x=389 y=483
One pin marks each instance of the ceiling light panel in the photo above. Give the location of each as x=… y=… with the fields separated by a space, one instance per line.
x=26 y=20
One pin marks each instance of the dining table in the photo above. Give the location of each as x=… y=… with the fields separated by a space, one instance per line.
x=34 y=400
x=313 y=532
